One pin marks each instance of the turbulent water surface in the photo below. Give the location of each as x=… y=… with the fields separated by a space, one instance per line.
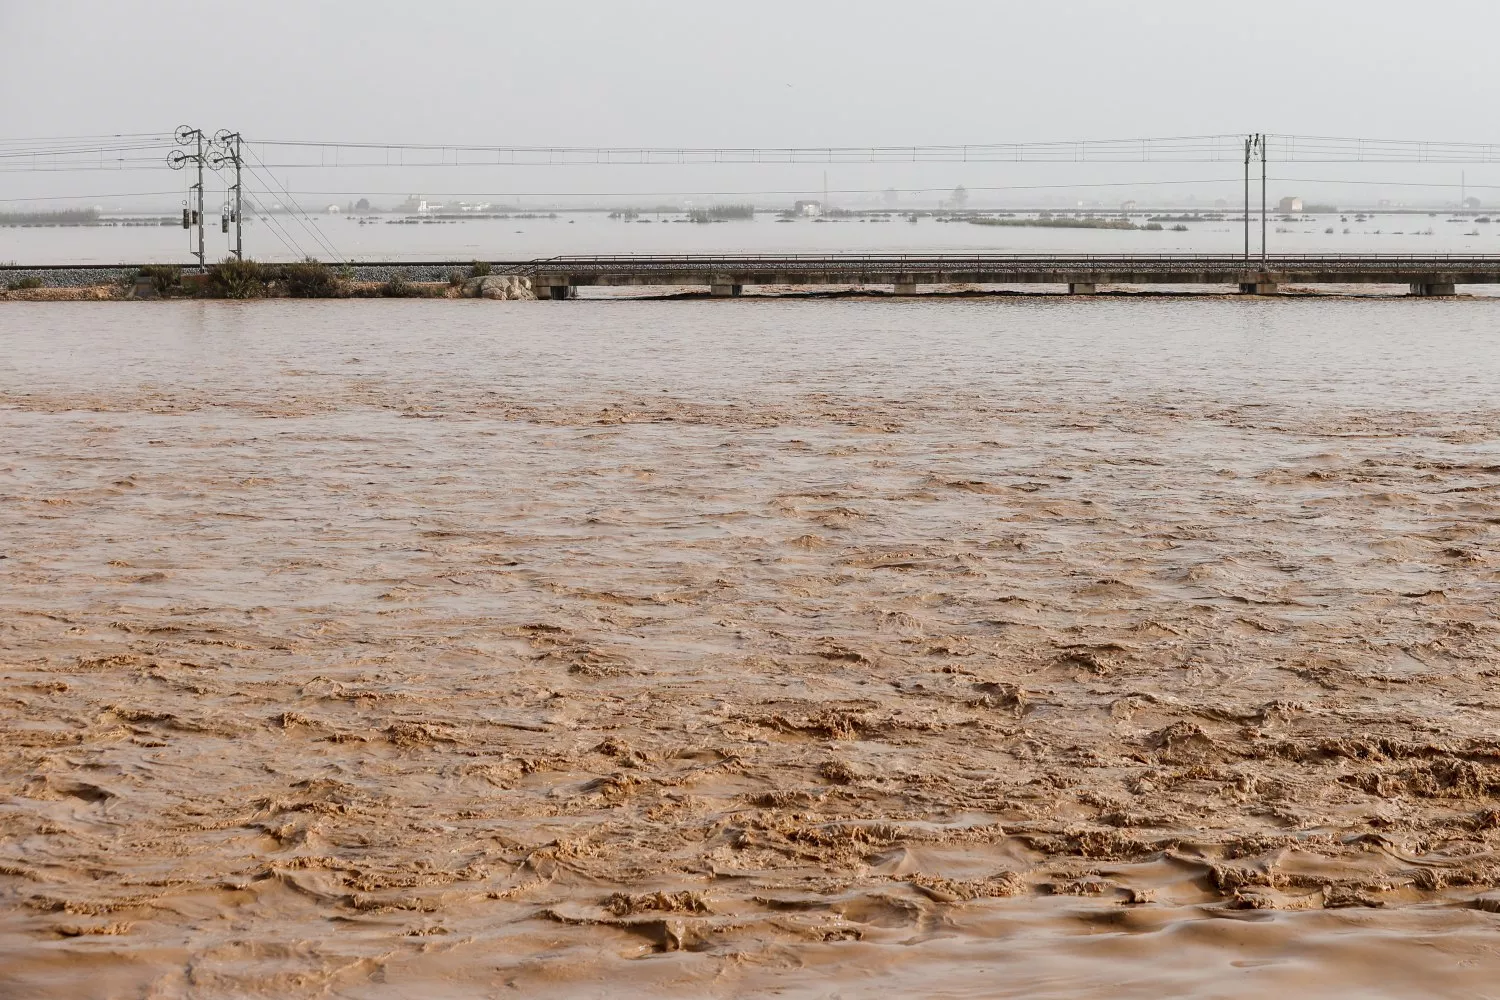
x=963 y=648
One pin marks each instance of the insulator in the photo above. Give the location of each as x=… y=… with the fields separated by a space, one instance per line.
x=185 y=223
x=224 y=222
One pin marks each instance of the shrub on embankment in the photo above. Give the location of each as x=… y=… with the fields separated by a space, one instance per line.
x=164 y=277
x=309 y=280
x=232 y=278
x=399 y=288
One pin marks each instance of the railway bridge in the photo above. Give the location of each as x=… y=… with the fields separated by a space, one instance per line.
x=905 y=274
x=1082 y=274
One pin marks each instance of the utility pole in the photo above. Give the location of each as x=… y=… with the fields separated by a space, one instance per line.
x=239 y=209
x=1263 y=199
x=201 y=261
x=230 y=141
x=1249 y=141
x=178 y=159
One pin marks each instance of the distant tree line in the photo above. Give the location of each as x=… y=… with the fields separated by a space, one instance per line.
x=68 y=217
x=722 y=213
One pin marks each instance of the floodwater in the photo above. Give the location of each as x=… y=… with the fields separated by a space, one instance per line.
x=964 y=648
x=397 y=237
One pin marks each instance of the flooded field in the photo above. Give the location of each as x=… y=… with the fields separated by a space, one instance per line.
x=1000 y=647
x=529 y=235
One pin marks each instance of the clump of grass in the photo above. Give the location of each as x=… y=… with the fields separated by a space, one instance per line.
x=455 y=279
x=480 y=269
x=24 y=284
x=232 y=278
x=399 y=288
x=164 y=277
x=308 y=280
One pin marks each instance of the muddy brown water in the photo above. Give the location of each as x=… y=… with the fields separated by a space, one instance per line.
x=794 y=648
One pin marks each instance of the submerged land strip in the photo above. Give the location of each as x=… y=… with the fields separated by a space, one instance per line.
x=559 y=278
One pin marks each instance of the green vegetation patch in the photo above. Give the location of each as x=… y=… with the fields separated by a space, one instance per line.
x=722 y=213
x=232 y=278
x=70 y=217
x=1067 y=223
x=164 y=277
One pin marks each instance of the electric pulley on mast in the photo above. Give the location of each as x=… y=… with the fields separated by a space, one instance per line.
x=179 y=159
x=229 y=143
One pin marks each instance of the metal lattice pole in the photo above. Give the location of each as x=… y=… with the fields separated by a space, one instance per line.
x=1263 y=199
x=230 y=143
x=202 y=261
x=177 y=160
x=1249 y=140
x=239 y=211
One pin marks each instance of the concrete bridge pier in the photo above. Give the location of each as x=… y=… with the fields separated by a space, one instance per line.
x=905 y=284
x=1260 y=287
x=1083 y=288
x=549 y=286
x=1428 y=289
x=723 y=287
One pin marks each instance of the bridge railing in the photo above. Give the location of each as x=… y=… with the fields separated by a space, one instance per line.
x=1492 y=259
x=918 y=262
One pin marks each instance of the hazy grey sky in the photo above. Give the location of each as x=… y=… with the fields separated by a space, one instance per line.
x=673 y=72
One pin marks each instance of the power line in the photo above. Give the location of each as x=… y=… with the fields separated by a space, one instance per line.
x=1370 y=183
x=768 y=192
x=1077 y=186
x=55 y=153
x=1211 y=148
x=83 y=138
x=315 y=232
x=72 y=154
x=274 y=227
x=123 y=163
x=1203 y=148
x=277 y=229
x=86 y=197
x=1334 y=149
